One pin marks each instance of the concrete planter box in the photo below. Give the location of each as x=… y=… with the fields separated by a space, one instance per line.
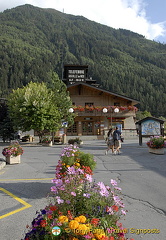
x=47 y=144
x=159 y=151
x=13 y=160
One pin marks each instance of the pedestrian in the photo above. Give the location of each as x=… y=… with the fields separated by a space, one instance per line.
x=18 y=136
x=117 y=140
x=110 y=141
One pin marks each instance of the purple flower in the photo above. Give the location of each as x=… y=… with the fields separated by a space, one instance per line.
x=71 y=170
x=54 y=189
x=59 y=200
x=58 y=182
x=87 y=195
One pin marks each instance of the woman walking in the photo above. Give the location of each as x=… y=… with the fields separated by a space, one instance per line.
x=110 y=141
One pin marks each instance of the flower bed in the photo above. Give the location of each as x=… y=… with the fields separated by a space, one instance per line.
x=79 y=208
x=46 y=140
x=73 y=141
x=72 y=156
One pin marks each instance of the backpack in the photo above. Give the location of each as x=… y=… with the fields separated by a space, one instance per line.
x=115 y=135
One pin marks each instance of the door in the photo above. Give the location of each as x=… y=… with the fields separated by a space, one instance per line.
x=72 y=131
x=87 y=128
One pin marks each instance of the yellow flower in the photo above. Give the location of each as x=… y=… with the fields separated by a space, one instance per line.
x=73 y=224
x=77 y=219
x=82 y=219
x=99 y=233
x=82 y=229
x=63 y=164
x=63 y=219
x=77 y=164
x=89 y=226
x=67 y=166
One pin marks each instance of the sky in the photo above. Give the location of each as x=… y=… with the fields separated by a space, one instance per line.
x=146 y=17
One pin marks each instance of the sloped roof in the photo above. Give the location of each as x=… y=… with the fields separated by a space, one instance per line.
x=150 y=118
x=104 y=91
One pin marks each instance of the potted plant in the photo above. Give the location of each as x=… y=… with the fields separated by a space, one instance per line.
x=13 y=153
x=25 y=138
x=76 y=141
x=156 y=145
x=46 y=141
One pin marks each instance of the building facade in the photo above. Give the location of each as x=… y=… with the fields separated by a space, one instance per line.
x=96 y=110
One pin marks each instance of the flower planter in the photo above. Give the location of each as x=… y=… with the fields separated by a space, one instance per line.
x=79 y=144
x=13 y=160
x=159 y=151
x=47 y=144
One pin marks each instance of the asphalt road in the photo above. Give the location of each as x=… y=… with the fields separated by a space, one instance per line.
x=141 y=175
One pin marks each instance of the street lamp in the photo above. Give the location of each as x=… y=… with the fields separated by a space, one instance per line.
x=71 y=110
x=116 y=110
x=105 y=110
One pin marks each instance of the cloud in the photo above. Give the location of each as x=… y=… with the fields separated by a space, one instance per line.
x=126 y=14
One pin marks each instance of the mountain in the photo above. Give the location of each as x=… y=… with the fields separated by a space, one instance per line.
x=35 y=41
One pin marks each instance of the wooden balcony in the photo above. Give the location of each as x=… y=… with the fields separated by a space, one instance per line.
x=110 y=113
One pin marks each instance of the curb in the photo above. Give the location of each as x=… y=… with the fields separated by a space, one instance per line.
x=2 y=163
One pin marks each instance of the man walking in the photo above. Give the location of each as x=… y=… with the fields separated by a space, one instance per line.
x=117 y=140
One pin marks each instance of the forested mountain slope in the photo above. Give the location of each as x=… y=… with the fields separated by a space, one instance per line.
x=34 y=41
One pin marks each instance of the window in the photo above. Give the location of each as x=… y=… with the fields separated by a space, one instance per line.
x=72 y=130
x=89 y=104
x=116 y=103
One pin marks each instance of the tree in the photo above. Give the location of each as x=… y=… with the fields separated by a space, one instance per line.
x=34 y=107
x=140 y=115
x=6 y=126
x=61 y=98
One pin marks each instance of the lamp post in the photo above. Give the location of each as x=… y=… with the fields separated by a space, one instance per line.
x=116 y=110
x=105 y=110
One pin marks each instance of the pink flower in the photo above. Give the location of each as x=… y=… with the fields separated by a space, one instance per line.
x=123 y=212
x=113 y=182
x=73 y=193
x=89 y=177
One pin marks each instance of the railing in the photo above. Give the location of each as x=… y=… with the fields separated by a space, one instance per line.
x=98 y=111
